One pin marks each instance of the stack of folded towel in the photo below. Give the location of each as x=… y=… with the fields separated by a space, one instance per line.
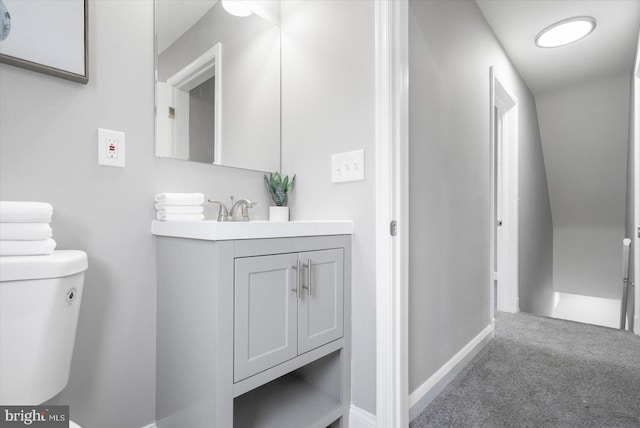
x=179 y=206
x=25 y=228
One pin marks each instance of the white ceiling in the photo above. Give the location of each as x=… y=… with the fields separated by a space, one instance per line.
x=608 y=50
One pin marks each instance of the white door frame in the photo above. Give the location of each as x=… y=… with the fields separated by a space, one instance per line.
x=635 y=131
x=206 y=66
x=504 y=146
x=392 y=112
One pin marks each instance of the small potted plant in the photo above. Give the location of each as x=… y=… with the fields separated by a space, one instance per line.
x=278 y=189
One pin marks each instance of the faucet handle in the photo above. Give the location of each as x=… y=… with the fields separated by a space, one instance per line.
x=223 y=213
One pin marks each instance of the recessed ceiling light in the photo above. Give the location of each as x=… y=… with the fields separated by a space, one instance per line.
x=565 y=32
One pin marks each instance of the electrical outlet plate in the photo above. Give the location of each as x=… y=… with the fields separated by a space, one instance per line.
x=111 y=148
x=347 y=166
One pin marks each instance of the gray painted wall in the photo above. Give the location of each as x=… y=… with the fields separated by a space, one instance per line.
x=586 y=169
x=451 y=50
x=48 y=152
x=328 y=106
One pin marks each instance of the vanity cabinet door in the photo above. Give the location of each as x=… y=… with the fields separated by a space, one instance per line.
x=320 y=307
x=265 y=313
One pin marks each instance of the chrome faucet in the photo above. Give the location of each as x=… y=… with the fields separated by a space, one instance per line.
x=225 y=215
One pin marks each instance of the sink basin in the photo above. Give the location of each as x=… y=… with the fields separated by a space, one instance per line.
x=229 y=230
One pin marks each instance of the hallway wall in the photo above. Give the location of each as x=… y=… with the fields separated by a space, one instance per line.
x=451 y=48
x=586 y=170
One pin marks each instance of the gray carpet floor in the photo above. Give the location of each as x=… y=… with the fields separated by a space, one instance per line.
x=544 y=372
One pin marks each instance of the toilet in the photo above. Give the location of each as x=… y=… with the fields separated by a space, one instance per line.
x=39 y=306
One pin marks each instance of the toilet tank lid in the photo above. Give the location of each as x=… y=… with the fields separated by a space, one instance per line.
x=60 y=263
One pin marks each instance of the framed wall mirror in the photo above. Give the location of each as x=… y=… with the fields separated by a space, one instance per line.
x=47 y=37
x=218 y=82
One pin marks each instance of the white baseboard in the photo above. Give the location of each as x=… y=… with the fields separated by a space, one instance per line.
x=425 y=393
x=359 y=418
x=152 y=425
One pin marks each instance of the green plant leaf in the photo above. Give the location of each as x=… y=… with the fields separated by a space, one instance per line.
x=278 y=187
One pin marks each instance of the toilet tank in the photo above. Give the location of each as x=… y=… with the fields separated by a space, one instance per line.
x=39 y=306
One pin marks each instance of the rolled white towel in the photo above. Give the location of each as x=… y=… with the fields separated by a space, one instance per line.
x=179 y=217
x=180 y=198
x=180 y=209
x=25 y=212
x=25 y=231
x=27 y=248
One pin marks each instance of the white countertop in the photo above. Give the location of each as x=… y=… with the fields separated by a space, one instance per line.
x=228 y=230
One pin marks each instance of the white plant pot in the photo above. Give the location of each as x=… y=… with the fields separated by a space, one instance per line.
x=279 y=214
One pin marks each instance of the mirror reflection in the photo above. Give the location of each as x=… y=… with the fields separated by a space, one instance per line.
x=218 y=82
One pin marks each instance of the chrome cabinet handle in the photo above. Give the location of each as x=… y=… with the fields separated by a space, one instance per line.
x=296 y=267
x=299 y=268
x=309 y=275
x=308 y=285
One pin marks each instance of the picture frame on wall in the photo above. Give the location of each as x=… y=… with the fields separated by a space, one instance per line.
x=48 y=37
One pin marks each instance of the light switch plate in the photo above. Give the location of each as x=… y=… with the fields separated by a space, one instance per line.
x=347 y=166
x=111 y=148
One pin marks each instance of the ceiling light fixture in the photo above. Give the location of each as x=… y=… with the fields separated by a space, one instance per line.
x=240 y=8
x=566 y=31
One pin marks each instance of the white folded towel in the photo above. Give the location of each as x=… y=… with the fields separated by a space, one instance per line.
x=27 y=248
x=180 y=209
x=25 y=212
x=180 y=198
x=25 y=231
x=179 y=217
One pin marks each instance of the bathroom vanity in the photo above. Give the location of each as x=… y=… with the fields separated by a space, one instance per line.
x=253 y=324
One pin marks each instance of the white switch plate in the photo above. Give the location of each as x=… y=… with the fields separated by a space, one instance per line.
x=111 y=148
x=347 y=166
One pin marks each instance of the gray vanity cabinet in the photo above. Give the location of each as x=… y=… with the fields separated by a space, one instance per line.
x=253 y=332
x=285 y=305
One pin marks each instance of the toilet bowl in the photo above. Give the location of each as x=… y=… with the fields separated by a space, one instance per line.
x=39 y=307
